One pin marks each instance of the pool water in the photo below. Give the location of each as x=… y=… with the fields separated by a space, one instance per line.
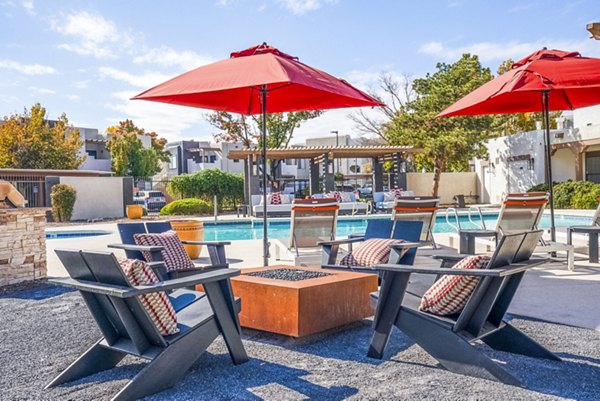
x=74 y=234
x=281 y=229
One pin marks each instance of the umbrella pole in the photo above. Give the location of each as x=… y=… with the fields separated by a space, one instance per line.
x=263 y=94
x=545 y=110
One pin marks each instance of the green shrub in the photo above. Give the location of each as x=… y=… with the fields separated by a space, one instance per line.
x=205 y=184
x=186 y=206
x=62 y=199
x=585 y=196
x=563 y=194
x=539 y=188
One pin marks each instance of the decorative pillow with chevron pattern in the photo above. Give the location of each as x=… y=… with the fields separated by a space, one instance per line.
x=173 y=254
x=450 y=294
x=374 y=251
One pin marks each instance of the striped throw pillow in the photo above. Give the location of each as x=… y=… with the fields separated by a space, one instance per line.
x=157 y=304
x=275 y=198
x=173 y=254
x=450 y=294
x=374 y=251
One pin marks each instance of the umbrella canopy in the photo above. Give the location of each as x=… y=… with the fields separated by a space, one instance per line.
x=543 y=81
x=260 y=79
x=572 y=80
x=235 y=84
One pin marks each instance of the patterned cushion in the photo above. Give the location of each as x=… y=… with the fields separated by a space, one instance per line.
x=157 y=304
x=373 y=251
x=449 y=294
x=173 y=254
x=398 y=192
x=389 y=196
x=275 y=198
x=346 y=197
x=335 y=194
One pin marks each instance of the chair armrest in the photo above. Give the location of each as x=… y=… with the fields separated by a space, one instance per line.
x=128 y=292
x=207 y=243
x=498 y=272
x=341 y=241
x=140 y=248
x=357 y=236
x=409 y=245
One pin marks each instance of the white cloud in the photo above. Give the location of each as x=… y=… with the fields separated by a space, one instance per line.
x=27 y=69
x=165 y=56
x=93 y=34
x=300 y=7
x=145 y=81
x=81 y=84
x=169 y=121
x=497 y=51
x=43 y=91
x=28 y=6
x=74 y=98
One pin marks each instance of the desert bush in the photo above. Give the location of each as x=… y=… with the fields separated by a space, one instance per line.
x=62 y=199
x=205 y=184
x=188 y=206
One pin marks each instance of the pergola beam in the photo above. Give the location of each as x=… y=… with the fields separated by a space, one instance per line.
x=333 y=152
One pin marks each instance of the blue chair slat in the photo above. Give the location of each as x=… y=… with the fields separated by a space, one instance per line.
x=378 y=228
x=408 y=231
x=157 y=227
x=126 y=231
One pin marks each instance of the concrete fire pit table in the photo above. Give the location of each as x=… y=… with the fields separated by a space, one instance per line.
x=299 y=301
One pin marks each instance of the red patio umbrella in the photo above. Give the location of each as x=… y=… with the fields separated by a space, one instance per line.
x=260 y=79
x=543 y=81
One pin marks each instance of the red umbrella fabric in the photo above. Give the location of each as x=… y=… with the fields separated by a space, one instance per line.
x=543 y=81
x=260 y=79
x=234 y=85
x=573 y=81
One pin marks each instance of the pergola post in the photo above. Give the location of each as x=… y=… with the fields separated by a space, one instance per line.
x=400 y=175
x=313 y=177
x=328 y=177
x=377 y=175
x=253 y=182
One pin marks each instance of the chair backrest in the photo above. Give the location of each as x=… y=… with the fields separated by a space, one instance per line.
x=157 y=227
x=521 y=211
x=379 y=228
x=120 y=320
x=313 y=220
x=409 y=231
x=492 y=295
x=417 y=208
x=126 y=231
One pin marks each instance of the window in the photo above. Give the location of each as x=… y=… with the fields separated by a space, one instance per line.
x=213 y=158
x=236 y=160
x=173 y=162
x=92 y=153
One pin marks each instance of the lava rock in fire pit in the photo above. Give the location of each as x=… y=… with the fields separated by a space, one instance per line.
x=288 y=274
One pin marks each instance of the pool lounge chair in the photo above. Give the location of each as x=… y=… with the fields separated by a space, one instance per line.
x=127 y=328
x=409 y=231
x=418 y=208
x=282 y=210
x=313 y=221
x=352 y=207
x=451 y=339
x=384 y=201
x=523 y=212
x=592 y=231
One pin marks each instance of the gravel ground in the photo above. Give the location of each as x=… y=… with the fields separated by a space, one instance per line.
x=44 y=328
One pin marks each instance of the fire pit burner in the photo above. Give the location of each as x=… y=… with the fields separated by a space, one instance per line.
x=288 y=274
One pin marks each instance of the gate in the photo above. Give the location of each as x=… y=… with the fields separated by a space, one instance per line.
x=33 y=188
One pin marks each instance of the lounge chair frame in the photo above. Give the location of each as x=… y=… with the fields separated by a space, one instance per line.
x=418 y=208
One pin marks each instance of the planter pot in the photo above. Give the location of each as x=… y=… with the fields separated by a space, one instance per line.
x=190 y=230
x=135 y=212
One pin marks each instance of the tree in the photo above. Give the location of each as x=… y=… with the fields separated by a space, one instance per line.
x=448 y=143
x=521 y=122
x=31 y=141
x=129 y=156
x=246 y=130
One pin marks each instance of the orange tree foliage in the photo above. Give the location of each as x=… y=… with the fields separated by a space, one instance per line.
x=30 y=141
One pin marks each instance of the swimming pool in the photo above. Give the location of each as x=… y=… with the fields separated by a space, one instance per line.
x=225 y=231
x=75 y=234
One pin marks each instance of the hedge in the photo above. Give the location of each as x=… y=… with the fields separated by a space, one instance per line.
x=62 y=200
x=573 y=194
x=187 y=206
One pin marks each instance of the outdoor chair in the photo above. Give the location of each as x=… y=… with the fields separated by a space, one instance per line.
x=519 y=212
x=418 y=208
x=450 y=339
x=313 y=220
x=404 y=253
x=591 y=231
x=127 y=328
x=216 y=249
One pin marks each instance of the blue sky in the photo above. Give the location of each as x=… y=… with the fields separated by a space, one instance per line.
x=87 y=58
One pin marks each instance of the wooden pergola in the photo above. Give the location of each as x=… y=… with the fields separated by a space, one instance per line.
x=321 y=162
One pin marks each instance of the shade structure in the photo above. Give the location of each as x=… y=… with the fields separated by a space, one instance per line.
x=259 y=80
x=547 y=80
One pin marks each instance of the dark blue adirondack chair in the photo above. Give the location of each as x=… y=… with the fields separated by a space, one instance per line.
x=405 y=253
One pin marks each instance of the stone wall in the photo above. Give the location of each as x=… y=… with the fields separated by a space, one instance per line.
x=22 y=245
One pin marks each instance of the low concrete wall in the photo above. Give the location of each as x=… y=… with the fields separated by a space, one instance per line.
x=450 y=184
x=97 y=197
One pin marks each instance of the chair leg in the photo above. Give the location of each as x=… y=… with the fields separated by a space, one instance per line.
x=171 y=365
x=510 y=339
x=221 y=300
x=96 y=359
x=393 y=287
x=452 y=351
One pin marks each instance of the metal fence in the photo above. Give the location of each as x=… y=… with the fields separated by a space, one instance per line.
x=33 y=188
